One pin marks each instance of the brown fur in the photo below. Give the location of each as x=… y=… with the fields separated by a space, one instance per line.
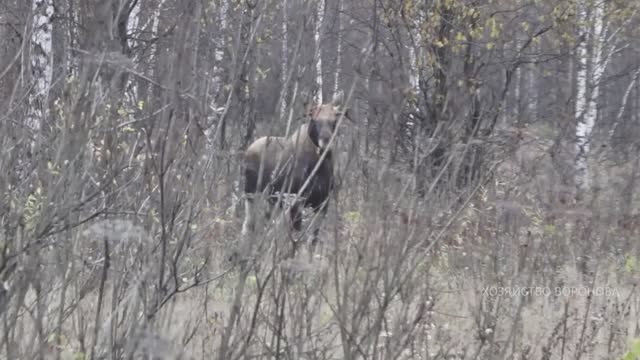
x=283 y=164
x=286 y=164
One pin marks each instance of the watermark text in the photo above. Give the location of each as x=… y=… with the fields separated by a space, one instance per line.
x=545 y=291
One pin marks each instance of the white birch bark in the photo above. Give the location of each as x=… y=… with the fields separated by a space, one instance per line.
x=132 y=24
x=414 y=66
x=41 y=61
x=283 y=74
x=588 y=78
x=217 y=70
x=154 y=30
x=336 y=79
x=414 y=73
x=219 y=52
x=318 y=54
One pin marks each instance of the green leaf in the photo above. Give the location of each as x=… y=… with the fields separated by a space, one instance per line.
x=634 y=351
x=262 y=73
x=353 y=217
x=493 y=27
x=630 y=263
x=549 y=229
x=127 y=129
x=52 y=168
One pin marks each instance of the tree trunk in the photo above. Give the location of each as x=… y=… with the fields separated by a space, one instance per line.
x=284 y=60
x=590 y=68
x=40 y=65
x=336 y=75
x=318 y=51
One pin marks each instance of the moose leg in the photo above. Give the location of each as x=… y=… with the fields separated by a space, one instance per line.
x=295 y=214
x=319 y=213
x=272 y=201
x=249 y=224
x=250 y=191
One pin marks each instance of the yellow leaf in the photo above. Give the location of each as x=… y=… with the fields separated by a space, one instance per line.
x=630 y=263
x=353 y=217
x=549 y=229
x=127 y=129
x=494 y=31
x=52 y=168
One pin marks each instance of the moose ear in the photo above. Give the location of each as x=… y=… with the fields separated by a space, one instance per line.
x=338 y=98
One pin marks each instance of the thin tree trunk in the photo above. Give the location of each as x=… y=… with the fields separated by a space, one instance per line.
x=60 y=65
x=336 y=78
x=318 y=51
x=133 y=22
x=517 y=88
x=623 y=104
x=40 y=62
x=414 y=62
x=283 y=62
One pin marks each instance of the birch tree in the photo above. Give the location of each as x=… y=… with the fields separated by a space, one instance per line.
x=590 y=67
x=284 y=56
x=336 y=76
x=320 y=6
x=40 y=61
x=597 y=43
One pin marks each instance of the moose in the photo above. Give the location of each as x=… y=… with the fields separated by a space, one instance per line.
x=300 y=164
